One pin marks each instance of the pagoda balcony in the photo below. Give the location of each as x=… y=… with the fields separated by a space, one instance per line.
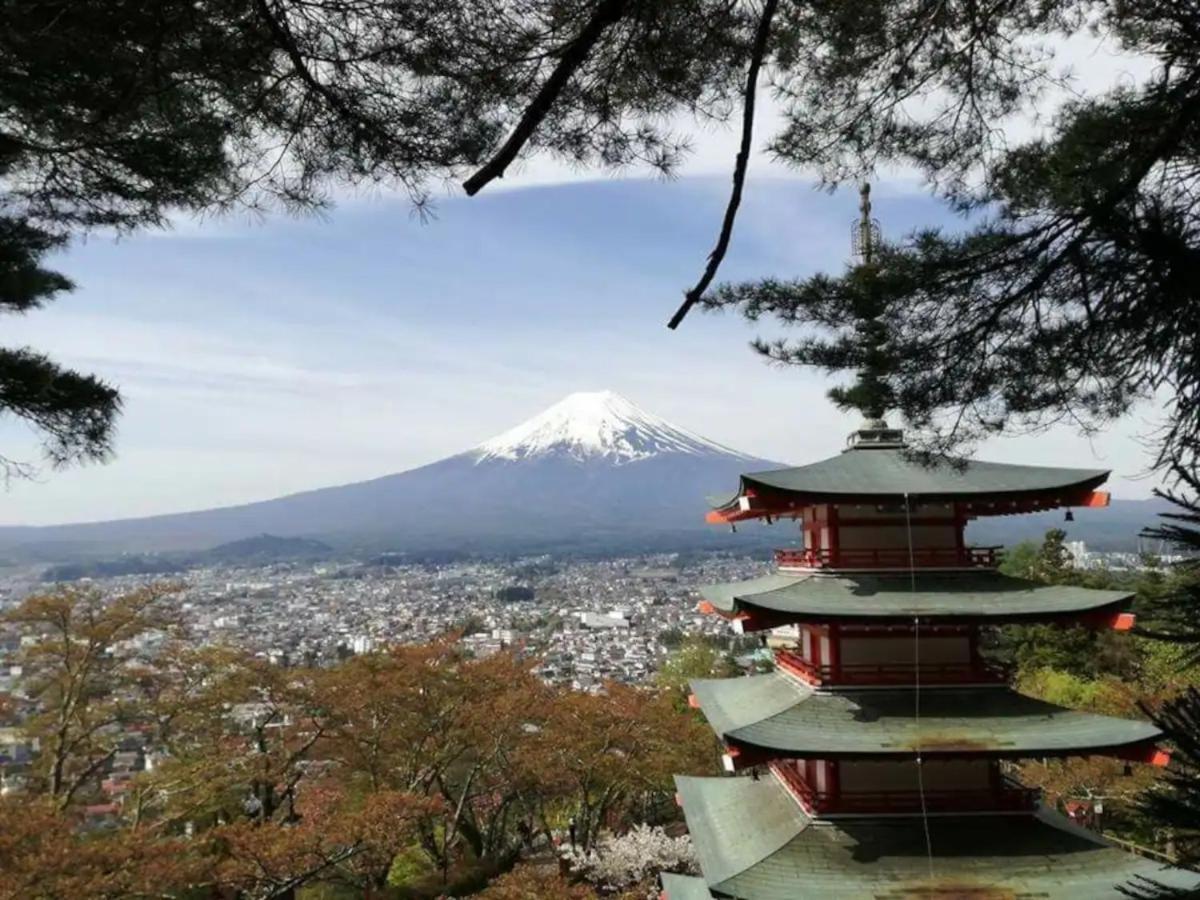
x=1007 y=797
x=891 y=674
x=895 y=558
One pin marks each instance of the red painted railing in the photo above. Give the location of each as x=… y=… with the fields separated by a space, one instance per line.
x=1008 y=797
x=977 y=672
x=889 y=558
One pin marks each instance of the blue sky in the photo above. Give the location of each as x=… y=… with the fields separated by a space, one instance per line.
x=263 y=357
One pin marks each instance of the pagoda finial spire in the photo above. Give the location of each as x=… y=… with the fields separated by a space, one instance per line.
x=866 y=231
x=870 y=392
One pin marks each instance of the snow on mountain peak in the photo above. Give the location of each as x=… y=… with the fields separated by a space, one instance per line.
x=596 y=424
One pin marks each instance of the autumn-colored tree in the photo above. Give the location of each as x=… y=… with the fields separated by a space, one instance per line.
x=332 y=839
x=394 y=715
x=601 y=756
x=244 y=747
x=267 y=779
x=179 y=700
x=44 y=857
x=427 y=720
x=79 y=660
x=506 y=706
x=531 y=882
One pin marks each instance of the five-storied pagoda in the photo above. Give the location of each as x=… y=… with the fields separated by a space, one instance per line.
x=868 y=764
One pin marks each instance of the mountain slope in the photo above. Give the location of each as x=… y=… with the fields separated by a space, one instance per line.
x=591 y=471
x=1115 y=527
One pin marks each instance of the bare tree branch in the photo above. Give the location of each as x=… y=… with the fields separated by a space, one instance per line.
x=607 y=14
x=739 y=169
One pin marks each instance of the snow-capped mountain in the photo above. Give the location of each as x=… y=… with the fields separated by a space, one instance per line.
x=591 y=472
x=597 y=425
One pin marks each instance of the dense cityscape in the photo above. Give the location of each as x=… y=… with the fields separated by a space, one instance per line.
x=588 y=621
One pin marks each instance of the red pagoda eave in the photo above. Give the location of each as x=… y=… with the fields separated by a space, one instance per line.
x=1113 y=620
x=1149 y=754
x=738 y=757
x=762 y=504
x=749 y=620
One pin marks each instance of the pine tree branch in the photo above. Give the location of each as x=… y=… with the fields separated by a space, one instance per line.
x=739 y=170
x=607 y=14
x=282 y=33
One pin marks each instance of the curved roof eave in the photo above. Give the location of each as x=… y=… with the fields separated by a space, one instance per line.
x=737 y=822
x=966 y=596
x=874 y=475
x=776 y=714
x=1041 y=855
x=895 y=473
x=684 y=887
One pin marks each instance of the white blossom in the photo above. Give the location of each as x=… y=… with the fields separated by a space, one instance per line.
x=621 y=861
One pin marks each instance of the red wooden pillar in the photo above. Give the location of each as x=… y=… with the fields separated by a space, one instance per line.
x=960 y=531
x=835 y=652
x=834 y=544
x=812 y=532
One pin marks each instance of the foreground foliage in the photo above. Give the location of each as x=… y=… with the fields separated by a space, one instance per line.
x=1150 y=673
x=264 y=780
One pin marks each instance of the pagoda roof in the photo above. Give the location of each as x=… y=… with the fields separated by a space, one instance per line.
x=755 y=843
x=950 y=596
x=684 y=887
x=893 y=472
x=782 y=716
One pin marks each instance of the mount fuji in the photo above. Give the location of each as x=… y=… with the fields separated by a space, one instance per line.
x=593 y=472
x=597 y=427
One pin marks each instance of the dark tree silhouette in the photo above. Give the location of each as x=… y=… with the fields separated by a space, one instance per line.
x=1073 y=296
x=116 y=114
x=1176 y=618
x=74 y=412
x=1071 y=300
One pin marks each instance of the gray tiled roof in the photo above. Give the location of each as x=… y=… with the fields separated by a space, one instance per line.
x=778 y=713
x=739 y=821
x=685 y=887
x=751 y=849
x=895 y=472
x=944 y=595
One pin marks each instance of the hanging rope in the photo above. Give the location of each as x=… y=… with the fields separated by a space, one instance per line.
x=912 y=580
